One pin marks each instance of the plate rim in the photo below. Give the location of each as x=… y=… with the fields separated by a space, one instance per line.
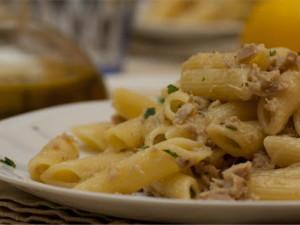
x=147 y=200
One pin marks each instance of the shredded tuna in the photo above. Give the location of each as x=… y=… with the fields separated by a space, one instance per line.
x=271 y=105
x=214 y=104
x=289 y=130
x=290 y=62
x=183 y=113
x=242 y=170
x=206 y=172
x=196 y=124
x=201 y=103
x=232 y=186
x=263 y=83
x=262 y=161
x=246 y=53
x=221 y=160
x=184 y=163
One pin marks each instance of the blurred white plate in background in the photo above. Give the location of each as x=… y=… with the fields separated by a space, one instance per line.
x=169 y=30
x=144 y=84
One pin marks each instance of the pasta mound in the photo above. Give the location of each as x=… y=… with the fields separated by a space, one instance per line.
x=228 y=129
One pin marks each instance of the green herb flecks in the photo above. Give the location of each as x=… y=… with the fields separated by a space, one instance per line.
x=171 y=153
x=149 y=112
x=144 y=147
x=231 y=127
x=172 y=88
x=8 y=162
x=203 y=78
x=161 y=100
x=272 y=52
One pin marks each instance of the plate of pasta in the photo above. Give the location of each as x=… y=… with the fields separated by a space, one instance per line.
x=221 y=145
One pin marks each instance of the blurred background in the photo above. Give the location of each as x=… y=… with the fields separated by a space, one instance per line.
x=59 y=51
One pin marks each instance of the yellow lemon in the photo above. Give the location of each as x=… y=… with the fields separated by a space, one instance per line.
x=274 y=23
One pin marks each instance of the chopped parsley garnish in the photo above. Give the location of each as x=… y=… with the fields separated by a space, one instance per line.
x=172 y=88
x=149 y=112
x=272 y=52
x=161 y=100
x=231 y=127
x=144 y=147
x=171 y=153
x=8 y=162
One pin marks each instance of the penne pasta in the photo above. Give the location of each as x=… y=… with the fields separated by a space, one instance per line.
x=129 y=104
x=142 y=169
x=222 y=84
x=177 y=131
x=217 y=133
x=154 y=121
x=127 y=135
x=274 y=113
x=93 y=135
x=208 y=60
x=60 y=149
x=237 y=138
x=242 y=110
x=283 y=151
x=156 y=136
x=279 y=184
x=181 y=142
x=70 y=173
x=173 y=102
x=177 y=185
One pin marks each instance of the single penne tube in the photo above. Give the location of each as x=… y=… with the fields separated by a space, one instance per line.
x=70 y=173
x=60 y=149
x=243 y=110
x=179 y=185
x=296 y=120
x=179 y=131
x=283 y=150
x=274 y=112
x=222 y=84
x=238 y=138
x=173 y=102
x=93 y=135
x=155 y=136
x=209 y=60
x=182 y=142
x=142 y=169
x=126 y=135
x=129 y=104
x=278 y=184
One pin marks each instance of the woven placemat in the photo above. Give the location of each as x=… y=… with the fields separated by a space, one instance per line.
x=18 y=207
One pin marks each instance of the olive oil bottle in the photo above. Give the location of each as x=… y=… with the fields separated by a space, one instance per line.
x=40 y=67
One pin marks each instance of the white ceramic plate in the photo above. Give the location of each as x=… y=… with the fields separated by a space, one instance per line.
x=169 y=30
x=22 y=137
